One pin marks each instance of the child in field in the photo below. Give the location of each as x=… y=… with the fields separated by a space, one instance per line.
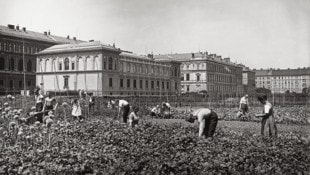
x=76 y=110
x=133 y=117
x=207 y=120
x=268 y=127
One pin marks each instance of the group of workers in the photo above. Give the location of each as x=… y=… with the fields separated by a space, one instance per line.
x=207 y=118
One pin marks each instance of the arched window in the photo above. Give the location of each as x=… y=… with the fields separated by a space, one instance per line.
x=95 y=63
x=2 y=63
x=48 y=65
x=12 y=63
x=80 y=64
x=20 y=65
x=67 y=64
x=54 y=66
x=89 y=63
x=110 y=67
x=29 y=66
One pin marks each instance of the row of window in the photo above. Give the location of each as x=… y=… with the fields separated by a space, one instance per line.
x=147 y=69
x=18 y=47
x=89 y=64
x=218 y=88
x=193 y=66
x=128 y=84
x=12 y=84
x=281 y=77
x=12 y=67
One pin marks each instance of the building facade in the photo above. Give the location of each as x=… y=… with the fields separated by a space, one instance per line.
x=283 y=80
x=248 y=80
x=104 y=70
x=208 y=72
x=17 y=56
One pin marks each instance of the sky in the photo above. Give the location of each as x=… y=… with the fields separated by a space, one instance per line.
x=256 y=33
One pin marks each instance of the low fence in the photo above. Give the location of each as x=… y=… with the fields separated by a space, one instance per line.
x=185 y=100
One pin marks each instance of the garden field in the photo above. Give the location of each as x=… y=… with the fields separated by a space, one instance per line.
x=101 y=145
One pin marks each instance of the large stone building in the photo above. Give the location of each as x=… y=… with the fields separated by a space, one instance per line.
x=105 y=70
x=282 y=80
x=248 y=80
x=208 y=72
x=18 y=45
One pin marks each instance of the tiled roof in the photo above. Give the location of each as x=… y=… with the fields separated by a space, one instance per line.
x=283 y=72
x=85 y=46
x=4 y=30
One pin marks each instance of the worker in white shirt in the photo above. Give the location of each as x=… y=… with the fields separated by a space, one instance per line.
x=207 y=120
x=123 y=106
x=166 y=109
x=155 y=111
x=244 y=104
x=133 y=117
x=268 y=127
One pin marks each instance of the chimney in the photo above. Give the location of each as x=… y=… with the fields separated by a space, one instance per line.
x=227 y=59
x=49 y=33
x=114 y=45
x=45 y=33
x=74 y=38
x=24 y=29
x=193 y=55
x=91 y=40
x=10 y=26
x=68 y=36
x=17 y=27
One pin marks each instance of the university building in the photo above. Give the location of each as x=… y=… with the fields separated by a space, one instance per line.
x=282 y=80
x=17 y=56
x=105 y=70
x=203 y=72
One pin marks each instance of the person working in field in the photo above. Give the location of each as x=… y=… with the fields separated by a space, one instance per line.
x=244 y=104
x=39 y=101
x=166 y=109
x=207 y=120
x=49 y=103
x=133 y=117
x=123 y=106
x=154 y=111
x=76 y=110
x=268 y=127
x=91 y=103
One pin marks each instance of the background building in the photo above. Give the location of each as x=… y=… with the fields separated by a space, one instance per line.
x=18 y=45
x=248 y=80
x=282 y=80
x=104 y=70
x=208 y=72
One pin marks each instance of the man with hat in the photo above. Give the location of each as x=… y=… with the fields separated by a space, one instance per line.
x=207 y=120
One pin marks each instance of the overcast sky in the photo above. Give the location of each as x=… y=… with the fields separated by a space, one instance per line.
x=257 y=33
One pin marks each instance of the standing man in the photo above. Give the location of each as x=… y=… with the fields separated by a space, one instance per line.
x=207 y=120
x=166 y=109
x=268 y=127
x=123 y=106
x=244 y=104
